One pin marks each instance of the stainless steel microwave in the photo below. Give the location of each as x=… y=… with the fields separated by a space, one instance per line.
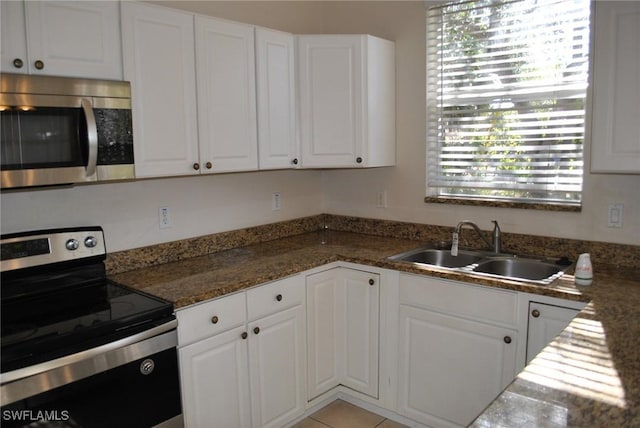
x=57 y=130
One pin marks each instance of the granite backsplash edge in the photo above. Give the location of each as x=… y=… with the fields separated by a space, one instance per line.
x=620 y=255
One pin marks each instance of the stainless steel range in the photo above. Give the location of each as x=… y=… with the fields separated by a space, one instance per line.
x=78 y=350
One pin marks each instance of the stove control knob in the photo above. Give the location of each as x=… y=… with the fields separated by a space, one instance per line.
x=90 y=241
x=72 y=244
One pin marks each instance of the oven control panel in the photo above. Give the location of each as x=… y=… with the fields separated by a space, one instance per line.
x=40 y=248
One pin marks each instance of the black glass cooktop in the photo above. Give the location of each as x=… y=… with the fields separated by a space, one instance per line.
x=59 y=322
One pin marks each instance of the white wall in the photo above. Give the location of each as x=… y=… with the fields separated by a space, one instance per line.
x=352 y=192
x=128 y=211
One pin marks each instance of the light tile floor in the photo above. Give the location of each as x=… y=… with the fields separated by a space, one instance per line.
x=340 y=414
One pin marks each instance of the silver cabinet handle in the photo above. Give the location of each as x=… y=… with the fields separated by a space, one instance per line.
x=92 y=136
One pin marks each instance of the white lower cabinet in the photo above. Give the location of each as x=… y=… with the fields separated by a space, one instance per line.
x=250 y=370
x=343 y=331
x=438 y=353
x=457 y=349
x=277 y=361
x=215 y=381
x=545 y=322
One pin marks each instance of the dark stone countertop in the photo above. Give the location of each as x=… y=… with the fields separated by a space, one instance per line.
x=587 y=377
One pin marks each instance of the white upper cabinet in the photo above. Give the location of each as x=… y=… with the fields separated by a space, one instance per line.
x=347 y=101
x=275 y=78
x=14 y=37
x=159 y=60
x=615 y=133
x=62 y=38
x=225 y=69
x=215 y=96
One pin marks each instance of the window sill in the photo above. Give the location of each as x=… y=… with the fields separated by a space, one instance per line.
x=546 y=206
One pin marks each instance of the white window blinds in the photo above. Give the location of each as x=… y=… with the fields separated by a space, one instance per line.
x=506 y=89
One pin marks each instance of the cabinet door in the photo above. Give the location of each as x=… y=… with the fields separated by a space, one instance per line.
x=362 y=303
x=225 y=63
x=343 y=309
x=277 y=367
x=275 y=75
x=545 y=323
x=73 y=38
x=215 y=381
x=450 y=368
x=159 y=60
x=615 y=140
x=14 y=37
x=330 y=76
x=325 y=306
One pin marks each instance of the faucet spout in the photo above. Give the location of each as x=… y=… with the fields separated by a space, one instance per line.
x=495 y=246
x=497 y=237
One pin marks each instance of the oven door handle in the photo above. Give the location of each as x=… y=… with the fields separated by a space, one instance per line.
x=92 y=137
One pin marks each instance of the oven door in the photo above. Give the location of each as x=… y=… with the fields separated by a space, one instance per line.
x=47 y=140
x=132 y=386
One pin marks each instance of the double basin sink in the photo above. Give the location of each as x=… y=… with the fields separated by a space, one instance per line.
x=535 y=270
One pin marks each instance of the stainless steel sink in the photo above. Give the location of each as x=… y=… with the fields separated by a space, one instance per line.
x=520 y=269
x=441 y=258
x=534 y=270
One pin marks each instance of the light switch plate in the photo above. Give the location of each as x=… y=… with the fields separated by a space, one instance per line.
x=164 y=217
x=615 y=219
x=275 y=201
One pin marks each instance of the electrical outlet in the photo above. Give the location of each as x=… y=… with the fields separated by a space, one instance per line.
x=614 y=218
x=381 y=199
x=275 y=201
x=164 y=217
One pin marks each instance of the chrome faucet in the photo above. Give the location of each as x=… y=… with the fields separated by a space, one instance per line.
x=495 y=246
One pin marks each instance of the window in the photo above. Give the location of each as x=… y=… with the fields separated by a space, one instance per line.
x=506 y=95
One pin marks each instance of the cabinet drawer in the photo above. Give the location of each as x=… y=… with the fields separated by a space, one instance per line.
x=210 y=318
x=452 y=297
x=273 y=297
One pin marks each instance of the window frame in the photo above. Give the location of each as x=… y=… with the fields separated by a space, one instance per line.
x=434 y=195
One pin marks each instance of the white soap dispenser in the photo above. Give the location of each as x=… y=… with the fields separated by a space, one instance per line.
x=584 y=271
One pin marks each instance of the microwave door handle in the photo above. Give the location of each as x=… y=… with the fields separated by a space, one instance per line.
x=92 y=136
